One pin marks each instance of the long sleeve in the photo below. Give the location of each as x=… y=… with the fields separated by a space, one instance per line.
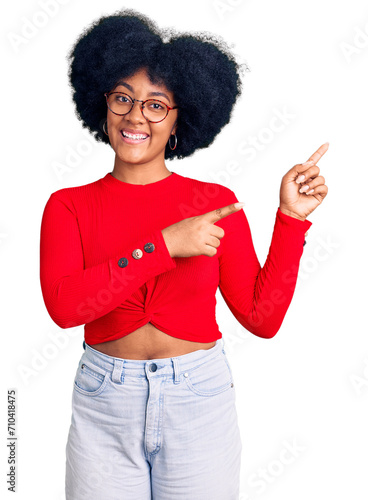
x=260 y=297
x=74 y=295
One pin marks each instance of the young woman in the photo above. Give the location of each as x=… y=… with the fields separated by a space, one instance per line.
x=137 y=257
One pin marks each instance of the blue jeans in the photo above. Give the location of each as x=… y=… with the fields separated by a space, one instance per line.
x=157 y=429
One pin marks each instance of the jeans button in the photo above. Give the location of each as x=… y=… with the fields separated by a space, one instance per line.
x=153 y=367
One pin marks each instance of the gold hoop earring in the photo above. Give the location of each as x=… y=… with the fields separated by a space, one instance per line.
x=176 y=141
x=103 y=127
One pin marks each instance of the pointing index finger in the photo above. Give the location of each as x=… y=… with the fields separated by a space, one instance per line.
x=318 y=154
x=220 y=213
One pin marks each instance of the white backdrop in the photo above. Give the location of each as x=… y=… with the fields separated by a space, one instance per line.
x=302 y=397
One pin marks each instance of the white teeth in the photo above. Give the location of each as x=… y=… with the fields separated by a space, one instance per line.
x=131 y=136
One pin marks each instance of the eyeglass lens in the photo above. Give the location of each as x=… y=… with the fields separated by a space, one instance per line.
x=121 y=104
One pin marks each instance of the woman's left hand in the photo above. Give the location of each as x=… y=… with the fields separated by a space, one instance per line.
x=297 y=204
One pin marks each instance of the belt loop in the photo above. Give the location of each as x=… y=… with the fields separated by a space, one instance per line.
x=223 y=345
x=117 y=371
x=176 y=370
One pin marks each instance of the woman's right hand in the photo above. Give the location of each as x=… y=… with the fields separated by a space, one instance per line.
x=197 y=235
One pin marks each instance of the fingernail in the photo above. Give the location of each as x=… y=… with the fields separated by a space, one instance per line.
x=300 y=178
x=308 y=162
x=239 y=205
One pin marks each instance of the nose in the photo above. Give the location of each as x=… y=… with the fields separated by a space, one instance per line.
x=135 y=114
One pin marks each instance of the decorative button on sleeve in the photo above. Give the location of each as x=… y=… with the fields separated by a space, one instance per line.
x=149 y=247
x=123 y=262
x=137 y=253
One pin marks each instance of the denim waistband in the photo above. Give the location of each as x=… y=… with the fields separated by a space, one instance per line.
x=175 y=365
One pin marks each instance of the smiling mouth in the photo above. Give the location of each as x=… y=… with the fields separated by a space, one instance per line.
x=134 y=137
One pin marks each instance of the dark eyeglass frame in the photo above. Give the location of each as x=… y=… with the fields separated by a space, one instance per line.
x=168 y=108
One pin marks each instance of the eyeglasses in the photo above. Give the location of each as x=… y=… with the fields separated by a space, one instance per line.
x=153 y=110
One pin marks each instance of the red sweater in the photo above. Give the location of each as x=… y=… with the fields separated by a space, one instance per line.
x=89 y=276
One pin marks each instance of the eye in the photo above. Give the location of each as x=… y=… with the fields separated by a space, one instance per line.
x=121 y=98
x=156 y=105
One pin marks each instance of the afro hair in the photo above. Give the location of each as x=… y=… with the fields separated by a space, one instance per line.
x=198 y=68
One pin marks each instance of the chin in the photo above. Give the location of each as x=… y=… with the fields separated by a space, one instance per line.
x=130 y=158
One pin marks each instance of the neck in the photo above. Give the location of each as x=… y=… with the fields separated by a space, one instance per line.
x=140 y=173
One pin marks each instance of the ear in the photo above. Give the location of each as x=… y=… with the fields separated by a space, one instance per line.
x=173 y=131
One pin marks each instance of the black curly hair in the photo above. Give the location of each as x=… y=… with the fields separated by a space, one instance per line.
x=198 y=68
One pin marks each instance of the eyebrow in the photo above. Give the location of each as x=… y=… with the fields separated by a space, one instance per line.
x=129 y=87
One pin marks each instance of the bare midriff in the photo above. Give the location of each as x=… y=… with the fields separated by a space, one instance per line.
x=148 y=342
